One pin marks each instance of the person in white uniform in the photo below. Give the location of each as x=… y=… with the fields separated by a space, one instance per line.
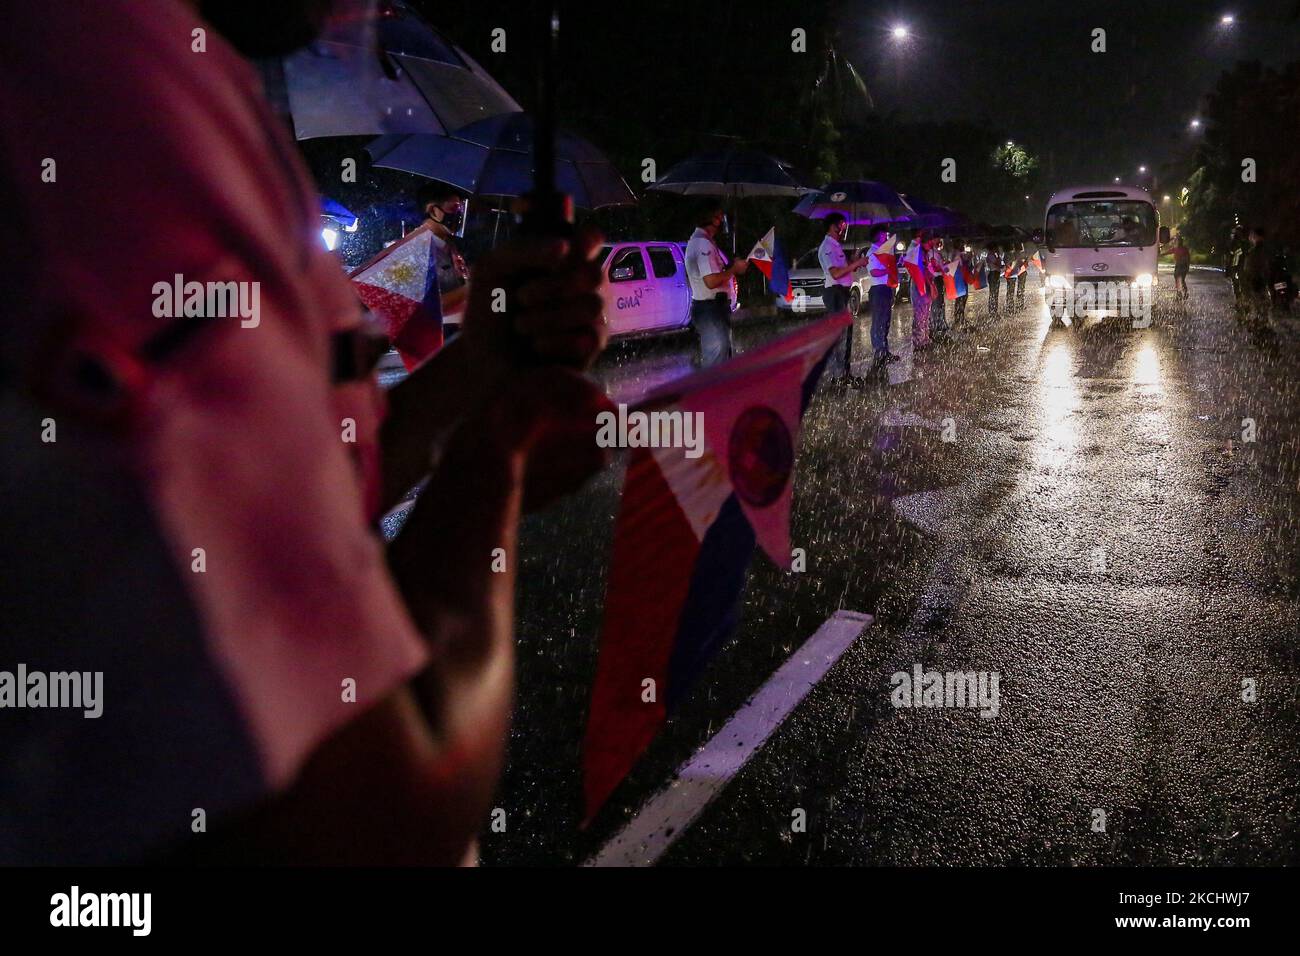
x=711 y=280
x=837 y=280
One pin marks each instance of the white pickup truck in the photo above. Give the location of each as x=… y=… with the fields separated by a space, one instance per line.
x=645 y=291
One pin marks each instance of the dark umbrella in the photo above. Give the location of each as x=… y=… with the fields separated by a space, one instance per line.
x=494 y=157
x=392 y=74
x=929 y=216
x=863 y=202
x=732 y=174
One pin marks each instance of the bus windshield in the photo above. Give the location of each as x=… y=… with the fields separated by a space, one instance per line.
x=1110 y=222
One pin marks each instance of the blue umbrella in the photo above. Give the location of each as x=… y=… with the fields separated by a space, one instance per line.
x=494 y=157
x=735 y=174
x=339 y=213
x=390 y=74
x=863 y=202
x=930 y=216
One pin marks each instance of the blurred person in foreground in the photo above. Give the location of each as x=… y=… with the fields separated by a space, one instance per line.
x=191 y=498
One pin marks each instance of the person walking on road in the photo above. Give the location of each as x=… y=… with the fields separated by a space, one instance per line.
x=1238 y=246
x=711 y=280
x=1255 y=269
x=1182 y=265
x=837 y=280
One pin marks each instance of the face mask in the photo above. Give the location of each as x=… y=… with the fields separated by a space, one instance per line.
x=453 y=220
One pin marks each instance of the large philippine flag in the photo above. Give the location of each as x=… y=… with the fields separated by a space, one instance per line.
x=400 y=286
x=974 y=277
x=954 y=281
x=769 y=256
x=914 y=260
x=684 y=535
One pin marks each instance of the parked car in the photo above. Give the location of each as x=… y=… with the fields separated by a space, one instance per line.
x=646 y=291
x=807 y=282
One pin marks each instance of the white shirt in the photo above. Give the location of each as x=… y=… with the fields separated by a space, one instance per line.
x=874 y=263
x=703 y=258
x=831 y=255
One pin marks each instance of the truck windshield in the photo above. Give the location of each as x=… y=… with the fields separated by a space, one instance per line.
x=1078 y=225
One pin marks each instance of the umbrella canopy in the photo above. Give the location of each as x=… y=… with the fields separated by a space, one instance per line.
x=335 y=210
x=494 y=157
x=930 y=216
x=735 y=174
x=863 y=202
x=392 y=74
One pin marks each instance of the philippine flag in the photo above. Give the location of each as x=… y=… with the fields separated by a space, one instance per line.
x=954 y=282
x=974 y=277
x=400 y=286
x=769 y=256
x=1037 y=260
x=684 y=535
x=883 y=256
x=914 y=260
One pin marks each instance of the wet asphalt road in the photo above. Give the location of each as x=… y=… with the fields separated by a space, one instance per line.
x=1073 y=508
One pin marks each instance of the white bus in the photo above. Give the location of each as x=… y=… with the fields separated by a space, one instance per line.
x=1102 y=245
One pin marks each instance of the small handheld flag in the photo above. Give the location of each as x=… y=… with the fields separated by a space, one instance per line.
x=954 y=282
x=769 y=256
x=685 y=532
x=400 y=286
x=914 y=260
x=882 y=256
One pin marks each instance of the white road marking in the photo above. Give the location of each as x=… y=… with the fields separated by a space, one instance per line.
x=667 y=815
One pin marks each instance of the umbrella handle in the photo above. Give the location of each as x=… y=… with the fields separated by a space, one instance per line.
x=547 y=211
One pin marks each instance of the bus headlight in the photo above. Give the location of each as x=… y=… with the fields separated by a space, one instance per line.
x=1144 y=281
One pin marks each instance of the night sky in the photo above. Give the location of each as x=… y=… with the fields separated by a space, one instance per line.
x=1029 y=68
x=682 y=76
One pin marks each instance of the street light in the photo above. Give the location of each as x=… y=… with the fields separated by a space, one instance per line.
x=1142 y=169
x=1116 y=179
x=1227 y=19
x=1196 y=124
x=900 y=32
